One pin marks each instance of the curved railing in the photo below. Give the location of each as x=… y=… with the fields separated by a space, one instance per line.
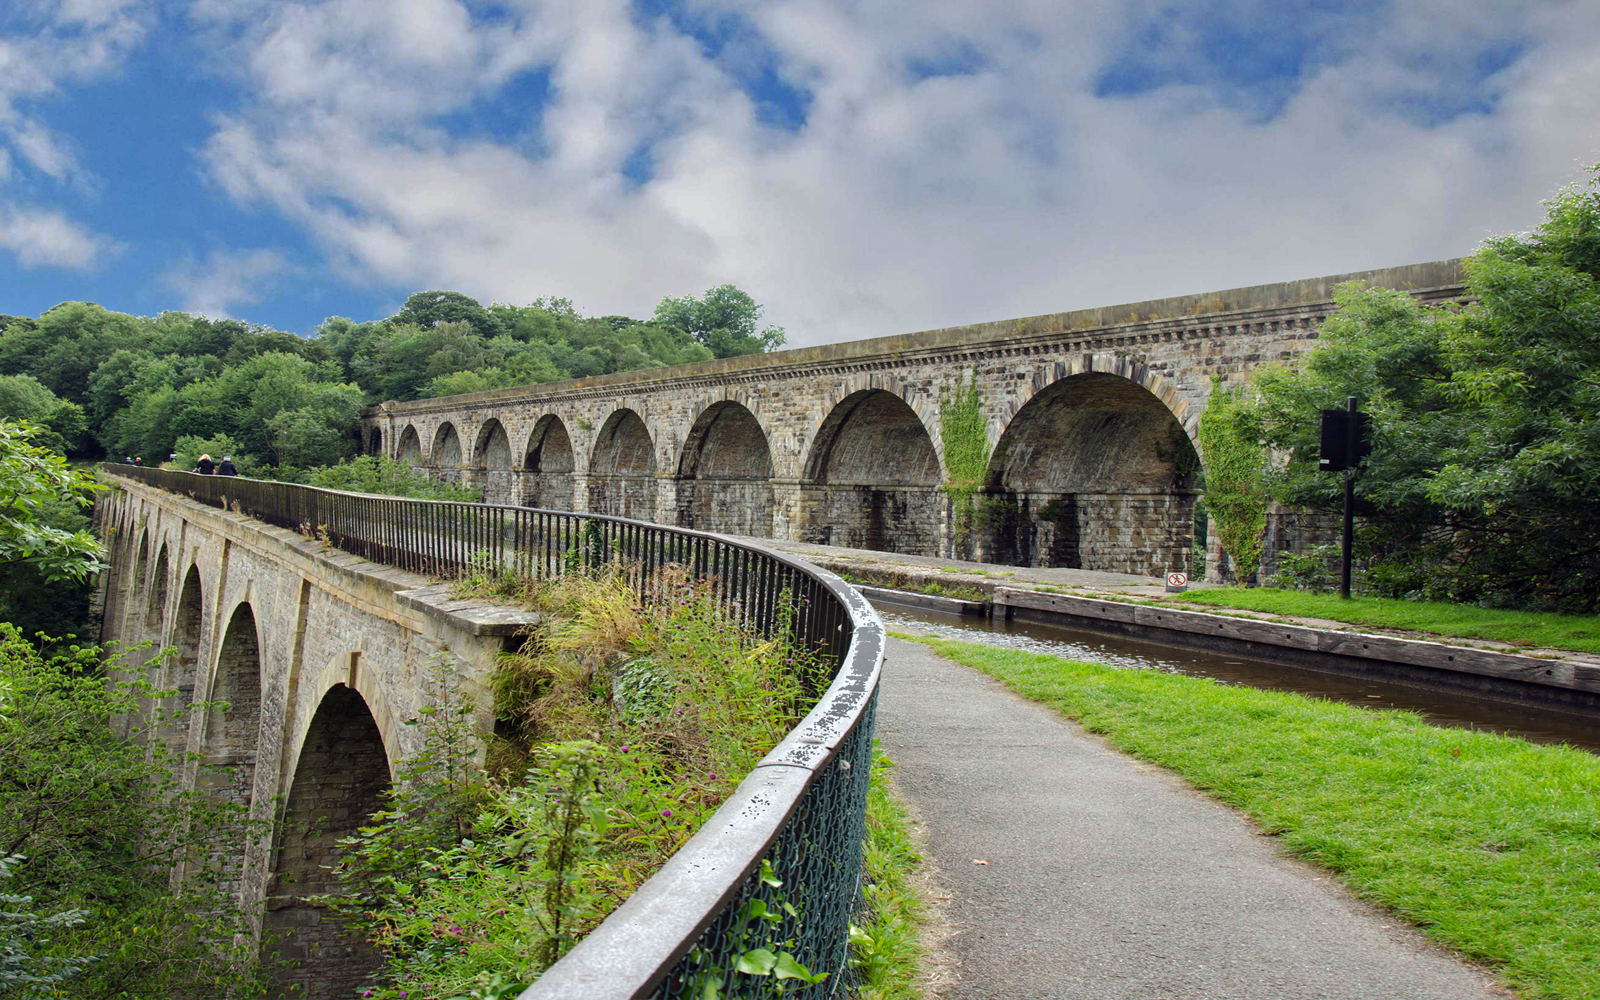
x=786 y=843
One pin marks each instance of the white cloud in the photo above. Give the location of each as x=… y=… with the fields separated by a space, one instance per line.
x=39 y=236
x=226 y=279
x=902 y=202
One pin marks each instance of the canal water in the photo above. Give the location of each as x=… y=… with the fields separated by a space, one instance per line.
x=1443 y=708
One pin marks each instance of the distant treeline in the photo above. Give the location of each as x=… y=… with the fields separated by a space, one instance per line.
x=104 y=383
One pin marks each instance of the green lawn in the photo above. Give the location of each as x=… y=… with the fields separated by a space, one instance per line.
x=1521 y=628
x=1489 y=843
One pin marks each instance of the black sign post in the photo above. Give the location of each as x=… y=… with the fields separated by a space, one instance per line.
x=1344 y=445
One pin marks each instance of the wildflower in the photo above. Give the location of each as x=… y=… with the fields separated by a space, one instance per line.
x=666 y=813
x=713 y=776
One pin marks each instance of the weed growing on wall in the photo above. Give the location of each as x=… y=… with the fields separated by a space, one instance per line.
x=965 y=436
x=1235 y=463
x=623 y=727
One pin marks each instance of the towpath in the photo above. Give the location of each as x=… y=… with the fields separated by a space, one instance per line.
x=1107 y=879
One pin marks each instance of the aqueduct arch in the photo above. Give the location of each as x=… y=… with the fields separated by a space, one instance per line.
x=725 y=473
x=872 y=478
x=622 y=469
x=340 y=777
x=491 y=463
x=446 y=454
x=547 y=466
x=410 y=448
x=1093 y=472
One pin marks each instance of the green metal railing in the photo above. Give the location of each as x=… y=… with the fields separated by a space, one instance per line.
x=798 y=818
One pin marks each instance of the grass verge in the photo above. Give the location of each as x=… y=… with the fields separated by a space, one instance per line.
x=885 y=946
x=1488 y=843
x=1520 y=628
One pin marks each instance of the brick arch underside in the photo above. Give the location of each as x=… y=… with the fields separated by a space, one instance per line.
x=179 y=673
x=622 y=470
x=1088 y=475
x=872 y=478
x=339 y=781
x=491 y=464
x=725 y=473
x=410 y=448
x=547 y=465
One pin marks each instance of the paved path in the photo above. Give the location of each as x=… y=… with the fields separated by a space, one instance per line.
x=1112 y=880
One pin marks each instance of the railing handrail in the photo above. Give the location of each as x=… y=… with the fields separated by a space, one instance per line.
x=638 y=948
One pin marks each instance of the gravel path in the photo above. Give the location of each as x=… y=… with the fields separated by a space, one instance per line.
x=1108 y=879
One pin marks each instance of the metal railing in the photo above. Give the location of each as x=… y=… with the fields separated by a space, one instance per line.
x=778 y=866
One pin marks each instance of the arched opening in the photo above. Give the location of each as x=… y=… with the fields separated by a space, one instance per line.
x=179 y=672
x=872 y=478
x=447 y=453
x=491 y=464
x=157 y=591
x=410 y=449
x=140 y=580
x=339 y=782
x=725 y=474
x=233 y=733
x=547 y=466
x=1094 y=473
x=375 y=441
x=622 y=472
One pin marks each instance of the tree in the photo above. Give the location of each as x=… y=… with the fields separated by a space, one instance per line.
x=429 y=309
x=58 y=424
x=724 y=320
x=34 y=482
x=1235 y=460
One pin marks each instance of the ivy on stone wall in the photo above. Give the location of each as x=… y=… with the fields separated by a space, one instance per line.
x=1234 y=492
x=965 y=435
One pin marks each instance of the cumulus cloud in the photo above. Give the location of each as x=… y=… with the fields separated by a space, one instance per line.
x=41 y=236
x=943 y=162
x=226 y=279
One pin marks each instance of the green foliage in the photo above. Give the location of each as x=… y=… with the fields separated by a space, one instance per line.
x=59 y=424
x=724 y=320
x=470 y=875
x=100 y=825
x=1541 y=629
x=25 y=941
x=386 y=477
x=35 y=484
x=1235 y=464
x=885 y=949
x=965 y=435
x=1311 y=569
x=1484 y=842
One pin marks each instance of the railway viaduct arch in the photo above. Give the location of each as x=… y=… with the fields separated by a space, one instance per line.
x=1089 y=418
x=321 y=657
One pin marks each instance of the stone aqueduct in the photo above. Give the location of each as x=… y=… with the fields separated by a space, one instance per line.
x=1090 y=417
x=321 y=658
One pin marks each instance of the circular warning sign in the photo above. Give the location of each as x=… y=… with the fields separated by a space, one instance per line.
x=1177 y=580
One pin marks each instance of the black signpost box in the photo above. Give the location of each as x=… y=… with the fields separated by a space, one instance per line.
x=1344 y=445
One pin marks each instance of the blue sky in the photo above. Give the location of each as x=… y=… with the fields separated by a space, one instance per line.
x=860 y=168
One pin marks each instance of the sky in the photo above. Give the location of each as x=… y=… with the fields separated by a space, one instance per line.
x=860 y=167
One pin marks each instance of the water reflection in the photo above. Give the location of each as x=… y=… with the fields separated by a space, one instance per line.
x=1443 y=708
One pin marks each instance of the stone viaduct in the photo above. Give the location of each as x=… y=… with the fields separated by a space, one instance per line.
x=1089 y=421
x=321 y=657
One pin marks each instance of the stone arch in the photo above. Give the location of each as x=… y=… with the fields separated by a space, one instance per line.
x=491 y=463
x=180 y=673
x=872 y=478
x=725 y=473
x=622 y=468
x=547 y=465
x=141 y=581
x=156 y=606
x=446 y=453
x=232 y=734
x=1093 y=471
x=340 y=776
x=375 y=441
x=410 y=448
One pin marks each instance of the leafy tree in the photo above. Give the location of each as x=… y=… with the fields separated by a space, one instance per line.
x=724 y=320
x=34 y=481
x=1234 y=495
x=386 y=477
x=431 y=308
x=59 y=425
